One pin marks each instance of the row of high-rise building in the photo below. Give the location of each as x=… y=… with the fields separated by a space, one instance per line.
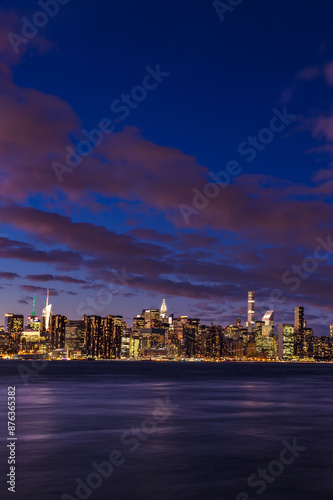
x=296 y=340
x=155 y=334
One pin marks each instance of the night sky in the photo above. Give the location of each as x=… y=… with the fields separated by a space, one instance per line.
x=182 y=92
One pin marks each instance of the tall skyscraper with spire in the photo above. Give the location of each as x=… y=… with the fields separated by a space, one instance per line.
x=250 y=312
x=164 y=310
x=46 y=315
x=33 y=306
x=33 y=320
x=299 y=330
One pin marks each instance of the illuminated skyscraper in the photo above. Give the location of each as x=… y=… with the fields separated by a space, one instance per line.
x=331 y=330
x=322 y=348
x=93 y=335
x=46 y=316
x=286 y=334
x=126 y=342
x=58 y=331
x=269 y=339
x=163 y=310
x=191 y=337
x=152 y=318
x=33 y=322
x=299 y=331
x=138 y=323
x=74 y=336
x=103 y=336
x=250 y=312
x=268 y=327
x=179 y=324
x=309 y=342
x=118 y=327
x=13 y=323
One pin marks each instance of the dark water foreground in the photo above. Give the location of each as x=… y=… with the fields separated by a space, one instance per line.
x=181 y=431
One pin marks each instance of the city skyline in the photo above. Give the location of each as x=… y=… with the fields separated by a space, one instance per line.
x=254 y=316
x=155 y=334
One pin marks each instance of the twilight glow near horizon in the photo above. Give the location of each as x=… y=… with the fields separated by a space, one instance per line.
x=139 y=165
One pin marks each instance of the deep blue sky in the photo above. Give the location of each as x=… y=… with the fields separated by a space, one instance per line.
x=225 y=79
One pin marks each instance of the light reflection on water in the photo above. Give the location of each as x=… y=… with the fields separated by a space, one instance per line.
x=229 y=420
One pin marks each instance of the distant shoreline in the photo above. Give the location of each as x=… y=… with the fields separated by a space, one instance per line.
x=178 y=361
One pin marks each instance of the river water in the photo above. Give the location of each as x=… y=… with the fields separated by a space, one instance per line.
x=175 y=431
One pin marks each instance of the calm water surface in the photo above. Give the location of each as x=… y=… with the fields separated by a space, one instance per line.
x=226 y=421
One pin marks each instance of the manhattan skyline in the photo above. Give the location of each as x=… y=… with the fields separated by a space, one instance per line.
x=99 y=306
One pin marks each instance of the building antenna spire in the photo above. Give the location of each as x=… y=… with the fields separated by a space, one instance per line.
x=47 y=298
x=33 y=306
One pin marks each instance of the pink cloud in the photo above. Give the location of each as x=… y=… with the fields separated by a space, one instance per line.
x=128 y=166
x=10 y=27
x=322 y=127
x=308 y=74
x=35 y=130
